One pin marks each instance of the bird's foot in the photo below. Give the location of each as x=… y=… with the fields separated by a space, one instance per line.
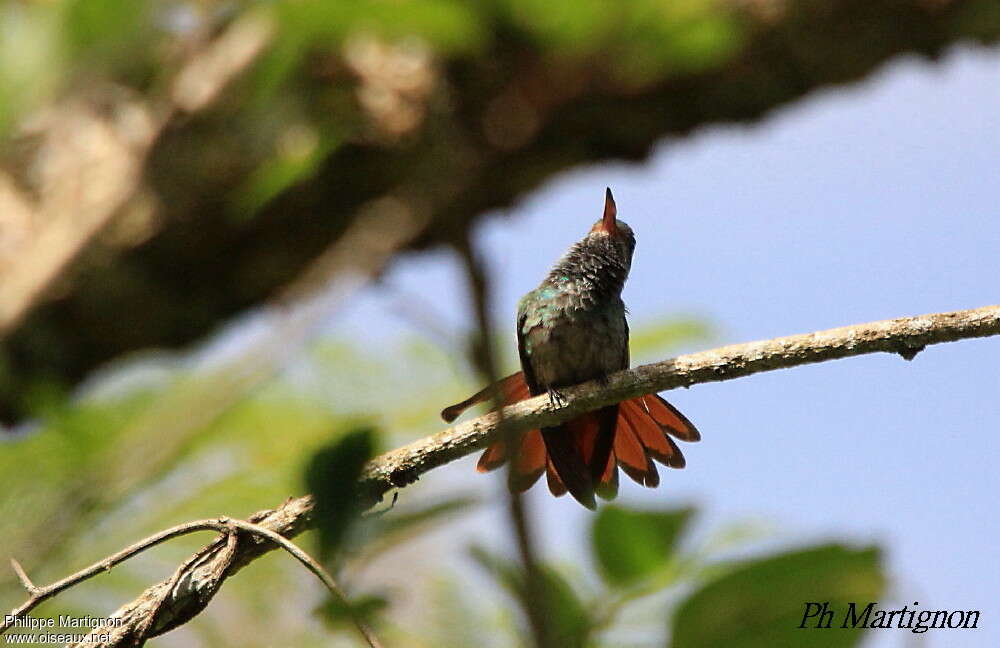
x=556 y=398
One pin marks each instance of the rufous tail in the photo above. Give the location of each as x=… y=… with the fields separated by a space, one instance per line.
x=581 y=457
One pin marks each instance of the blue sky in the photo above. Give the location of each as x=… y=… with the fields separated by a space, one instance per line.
x=860 y=203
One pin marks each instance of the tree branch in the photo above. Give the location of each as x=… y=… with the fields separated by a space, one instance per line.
x=228 y=527
x=905 y=336
x=173 y=602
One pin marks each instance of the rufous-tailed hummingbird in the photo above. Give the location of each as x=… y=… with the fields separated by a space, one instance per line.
x=572 y=329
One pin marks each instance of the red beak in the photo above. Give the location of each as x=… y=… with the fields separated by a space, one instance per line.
x=608 y=223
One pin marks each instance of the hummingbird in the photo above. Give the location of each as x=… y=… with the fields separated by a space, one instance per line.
x=572 y=329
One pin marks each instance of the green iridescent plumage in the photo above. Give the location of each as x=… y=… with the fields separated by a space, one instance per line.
x=571 y=329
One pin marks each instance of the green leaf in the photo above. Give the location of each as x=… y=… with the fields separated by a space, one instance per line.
x=762 y=602
x=567 y=620
x=654 y=337
x=332 y=478
x=631 y=545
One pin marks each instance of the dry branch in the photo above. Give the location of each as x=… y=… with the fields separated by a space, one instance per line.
x=228 y=527
x=173 y=602
x=905 y=336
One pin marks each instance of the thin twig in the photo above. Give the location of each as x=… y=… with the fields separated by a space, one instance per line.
x=316 y=569
x=224 y=525
x=145 y=625
x=23 y=577
x=536 y=603
x=41 y=594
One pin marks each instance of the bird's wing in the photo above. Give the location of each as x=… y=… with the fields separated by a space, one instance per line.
x=625 y=357
x=522 y=351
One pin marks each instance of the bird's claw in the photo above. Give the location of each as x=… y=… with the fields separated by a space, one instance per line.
x=556 y=399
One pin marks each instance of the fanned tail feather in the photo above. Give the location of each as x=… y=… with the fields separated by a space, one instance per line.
x=653 y=439
x=576 y=457
x=633 y=457
x=668 y=418
x=607 y=484
x=529 y=462
x=606 y=488
x=513 y=389
x=556 y=487
x=580 y=451
x=569 y=447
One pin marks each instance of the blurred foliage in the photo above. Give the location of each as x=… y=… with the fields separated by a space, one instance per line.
x=439 y=111
x=761 y=603
x=632 y=546
x=715 y=602
x=646 y=38
x=443 y=110
x=137 y=450
x=44 y=45
x=332 y=477
x=340 y=615
x=652 y=339
x=566 y=617
x=135 y=453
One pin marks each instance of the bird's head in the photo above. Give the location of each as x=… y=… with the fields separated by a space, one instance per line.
x=618 y=232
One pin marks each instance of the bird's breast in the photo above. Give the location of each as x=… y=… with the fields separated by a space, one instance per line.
x=572 y=345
